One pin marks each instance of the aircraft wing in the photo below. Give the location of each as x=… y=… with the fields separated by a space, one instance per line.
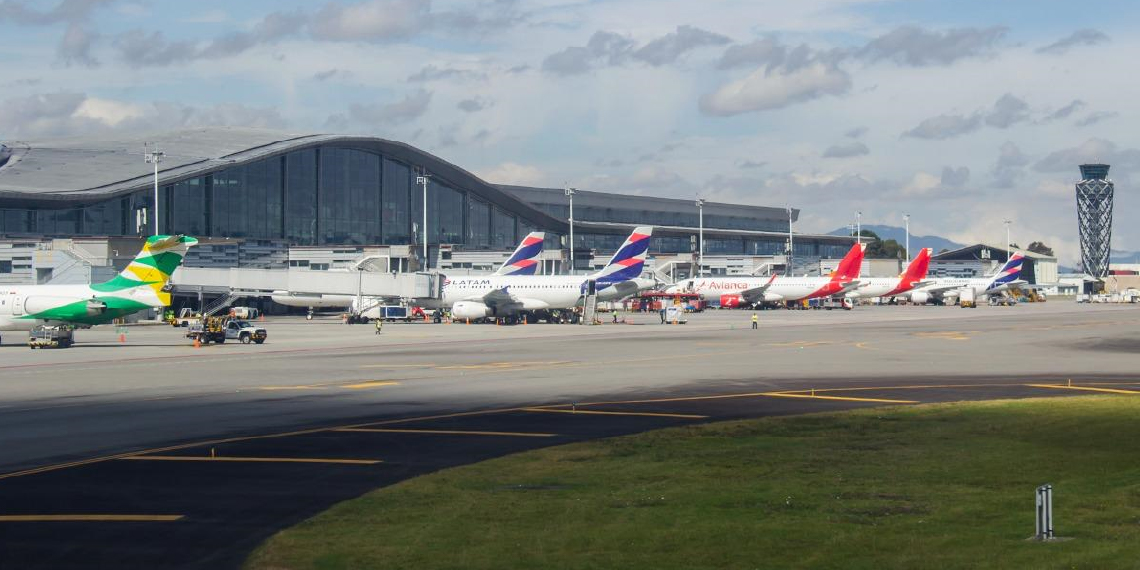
x=936 y=291
x=757 y=293
x=850 y=286
x=495 y=298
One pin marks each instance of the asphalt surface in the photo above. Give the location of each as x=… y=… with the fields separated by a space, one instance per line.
x=150 y=453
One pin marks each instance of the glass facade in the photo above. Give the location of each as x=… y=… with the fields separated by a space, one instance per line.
x=338 y=195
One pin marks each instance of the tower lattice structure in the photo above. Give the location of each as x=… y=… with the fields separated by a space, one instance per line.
x=1094 y=217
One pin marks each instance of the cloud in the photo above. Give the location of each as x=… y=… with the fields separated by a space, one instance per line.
x=1094 y=150
x=773 y=88
x=1064 y=112
x=75 y=47
x=846 y=149
x=70 y=113
x=1009 y=167
x=331 y=74
x=955 y=177
x=606 y=48
x=760 y=52
x=670 y=47
x=1085 y=37
x=139 y=49
x=914 y=46
x=512 y=173
x=945 y=126
x=749 y=164
x=473 y=105
x=857 y=132
x=372 y=21
x=1094 y=118
x=412 y=106
x=432 y=73
x=1007 y=111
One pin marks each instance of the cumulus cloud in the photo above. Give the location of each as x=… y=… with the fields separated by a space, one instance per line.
x=1085 y=37
x=78 y=38
x=1010 y=166
x=75 y=47
x=846 y=149
x=1094 y=118
x=1091 y=151
x=373 y=21
x=473 y=105
x=773 y=88
x=955 y=177
x=914 y=46
x=856 y=133
x=331 y=74
x=1065 y=112
x=433 y=73
x=1007 y=111
x=410 y=107
x=670 y=47
x=512 y=173
x=140 y=49
x=69 y=113
x=606 y=48
x=759 y=52
x=945 y=126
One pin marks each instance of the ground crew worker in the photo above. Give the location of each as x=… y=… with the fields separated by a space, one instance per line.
x=615 y=316
x=755 y=321
x=379 y=325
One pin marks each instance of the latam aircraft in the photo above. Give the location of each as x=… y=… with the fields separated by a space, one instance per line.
x=141 y=285
x=514 y=295
x=949 y=288
x=893 y=286
x=737 y=291
x=524 y=261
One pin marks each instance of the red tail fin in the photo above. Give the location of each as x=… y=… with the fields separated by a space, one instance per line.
x=918 y=267
x=850 y=265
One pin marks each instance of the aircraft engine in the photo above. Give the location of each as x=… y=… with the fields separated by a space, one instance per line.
x=470 y=310
x=920 y=298
x=731 y=301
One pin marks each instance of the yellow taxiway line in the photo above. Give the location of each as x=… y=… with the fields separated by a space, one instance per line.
x=608 y=413
x=1085 y=388
x=250 y=459
x=369 y=384
x=447 y=432
x=91 y=518
x=840 y=398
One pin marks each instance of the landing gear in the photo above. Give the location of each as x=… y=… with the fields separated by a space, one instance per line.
x=309 y=315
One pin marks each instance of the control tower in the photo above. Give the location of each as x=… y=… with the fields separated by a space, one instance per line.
x=1094 y=218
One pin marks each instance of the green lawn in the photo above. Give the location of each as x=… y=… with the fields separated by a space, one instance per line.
x=933 y=486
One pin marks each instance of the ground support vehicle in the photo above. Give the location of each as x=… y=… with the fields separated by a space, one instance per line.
x=221 y=329
x=53 y=336
x=185 y=318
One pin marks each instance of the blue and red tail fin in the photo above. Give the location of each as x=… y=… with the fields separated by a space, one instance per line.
x=524 y=261
x=1011 y=271
x=629 y=261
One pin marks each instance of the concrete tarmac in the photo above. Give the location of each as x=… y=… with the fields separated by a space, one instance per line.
x=325 y=411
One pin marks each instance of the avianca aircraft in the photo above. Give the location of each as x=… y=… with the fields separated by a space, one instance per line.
x=140 y=286
x=511 y=295
x=940 y=289
x=737 y=291
x=893 y=286
x=524 y=261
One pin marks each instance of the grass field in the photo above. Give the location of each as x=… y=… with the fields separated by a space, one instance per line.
x=934 y=486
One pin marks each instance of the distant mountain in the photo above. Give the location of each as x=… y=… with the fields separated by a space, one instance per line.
x=936 y=243
x=1121 y=256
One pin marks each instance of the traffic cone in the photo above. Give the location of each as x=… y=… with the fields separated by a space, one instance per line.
x=122 y=337
x=197 y=342
x=468 y=320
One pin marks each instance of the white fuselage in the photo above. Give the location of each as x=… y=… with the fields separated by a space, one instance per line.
x=870 y=287
x=950 y=286
x=781 y=288
x=19 y=302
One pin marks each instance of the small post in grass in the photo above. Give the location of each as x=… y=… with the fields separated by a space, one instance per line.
x=1044 y=513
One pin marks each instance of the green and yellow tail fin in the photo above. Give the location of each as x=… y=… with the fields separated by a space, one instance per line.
x=152 y=267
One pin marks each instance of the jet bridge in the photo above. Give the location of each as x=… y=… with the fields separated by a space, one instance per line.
x=263 y=282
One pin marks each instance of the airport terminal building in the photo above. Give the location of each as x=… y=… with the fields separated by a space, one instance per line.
x=267 y=199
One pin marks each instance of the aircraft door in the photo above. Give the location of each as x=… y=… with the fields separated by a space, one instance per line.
x=17 y=305
x=591 y=287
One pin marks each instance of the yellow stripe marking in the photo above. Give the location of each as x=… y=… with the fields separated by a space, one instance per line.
x=840 y=398
x=91 y=518
x=397 y=365
x=502 y=365
x=370 y=384
x=1085 y=388
x=447 y=432
x=298 y=387
x=607 y=413
x=251 y=459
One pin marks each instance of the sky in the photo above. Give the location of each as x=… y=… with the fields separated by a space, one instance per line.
x=960 y=113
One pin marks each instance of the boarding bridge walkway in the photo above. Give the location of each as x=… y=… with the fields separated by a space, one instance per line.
x=252 y=282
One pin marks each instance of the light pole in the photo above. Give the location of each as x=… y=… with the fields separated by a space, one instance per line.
x=154 y=157
x=859 y=235
x=791 y=243
x=1006 y=222
x=570 y=195
x=700 y=236
x=423 y=180
x=906 y=219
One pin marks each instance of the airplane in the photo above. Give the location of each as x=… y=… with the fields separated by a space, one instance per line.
x=141 y=285
x=892 y=286
x=749 y=291
x=944 y=288
x=524 y=261
x=514 y=296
